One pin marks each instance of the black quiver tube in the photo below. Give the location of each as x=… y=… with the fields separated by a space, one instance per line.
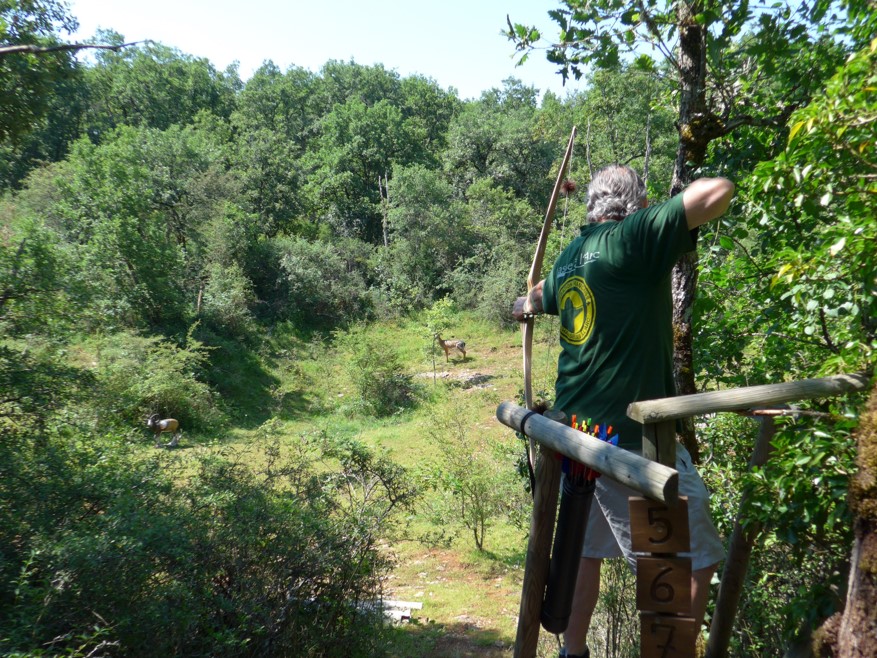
x=569 y=538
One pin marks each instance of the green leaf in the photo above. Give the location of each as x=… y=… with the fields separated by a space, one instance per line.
x=726 y=242
x=837 y=246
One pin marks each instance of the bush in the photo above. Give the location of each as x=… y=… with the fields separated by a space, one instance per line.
x=101 y=548
x=504 y=283
x=797 y=508
x=324 y=281
x=228 y=298
x=490 y=283
x=138 y=376
x=473 y=482
x=374 y=369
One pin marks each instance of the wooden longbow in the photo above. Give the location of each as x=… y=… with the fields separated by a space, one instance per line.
x=533 y=278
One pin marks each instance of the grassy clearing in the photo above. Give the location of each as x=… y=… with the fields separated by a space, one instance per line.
x=470 y=598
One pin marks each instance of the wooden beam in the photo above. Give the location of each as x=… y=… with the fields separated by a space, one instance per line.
x=648 y=478
x=738 y=399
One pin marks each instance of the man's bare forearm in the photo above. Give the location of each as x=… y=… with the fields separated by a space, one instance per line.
x=529 y=304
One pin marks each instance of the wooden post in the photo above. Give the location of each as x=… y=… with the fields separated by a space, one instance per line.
x=659 y=443
x=663 y=580
x=536 y=564
x=737 y=562
x=738 y=399
x=538 y=552
x=654 y=480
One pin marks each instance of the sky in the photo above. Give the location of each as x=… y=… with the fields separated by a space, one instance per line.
x=457 y=43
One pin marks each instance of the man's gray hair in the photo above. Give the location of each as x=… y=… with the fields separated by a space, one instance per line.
x=614 y=193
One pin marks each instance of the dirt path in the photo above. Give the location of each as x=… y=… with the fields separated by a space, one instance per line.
x=468 y=609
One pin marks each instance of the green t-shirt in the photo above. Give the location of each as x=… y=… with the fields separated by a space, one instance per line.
x=611 y=289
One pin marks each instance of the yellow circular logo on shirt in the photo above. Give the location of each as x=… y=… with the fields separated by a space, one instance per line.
x=577 y=310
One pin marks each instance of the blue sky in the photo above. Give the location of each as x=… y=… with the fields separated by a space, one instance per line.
x=455 y=42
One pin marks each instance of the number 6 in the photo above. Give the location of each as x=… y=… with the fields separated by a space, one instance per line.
x=662 y=592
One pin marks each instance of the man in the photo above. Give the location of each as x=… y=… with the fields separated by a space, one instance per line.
x=611 y=289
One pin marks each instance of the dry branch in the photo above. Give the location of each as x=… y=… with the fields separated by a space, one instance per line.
x=33 y=49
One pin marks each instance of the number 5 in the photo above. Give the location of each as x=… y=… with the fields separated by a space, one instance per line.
x=660 y=524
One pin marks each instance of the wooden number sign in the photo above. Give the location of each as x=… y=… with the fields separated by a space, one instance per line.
x=663 y=584
x=656 y=528
x=663 y=580
x=664 y=636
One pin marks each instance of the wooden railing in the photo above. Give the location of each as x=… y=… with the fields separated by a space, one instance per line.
x=658 y=418
x=653 y=475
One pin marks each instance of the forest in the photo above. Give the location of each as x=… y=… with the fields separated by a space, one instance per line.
x=268 y=261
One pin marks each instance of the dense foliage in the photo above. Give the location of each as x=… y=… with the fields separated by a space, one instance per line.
x=160 y=220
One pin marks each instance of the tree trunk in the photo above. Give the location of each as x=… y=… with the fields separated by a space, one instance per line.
x=739 y=553
x=689 y=155
x=384 y=190
x=853 y=634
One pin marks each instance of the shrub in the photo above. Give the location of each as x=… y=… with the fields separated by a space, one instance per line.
x=796 y=507
x=490 y=283
x=374 y=369
x=228 y=298
x=472 y=478
x=139 y=375
x=101 y=548
x=499 y=289
x=324 y=281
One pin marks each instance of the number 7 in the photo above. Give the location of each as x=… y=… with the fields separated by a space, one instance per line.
x=668 y=645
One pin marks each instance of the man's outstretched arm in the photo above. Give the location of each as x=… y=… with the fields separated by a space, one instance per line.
x=706 y=199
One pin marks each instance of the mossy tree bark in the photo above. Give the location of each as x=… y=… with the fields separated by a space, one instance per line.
x=689 y=155
x=853 y=633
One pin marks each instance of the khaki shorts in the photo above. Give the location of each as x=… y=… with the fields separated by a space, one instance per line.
x=608 y=533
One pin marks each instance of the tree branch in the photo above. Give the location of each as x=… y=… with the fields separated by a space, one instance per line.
x=825 y=335
x=657 y=40
x=32 y=49
x=9 y=293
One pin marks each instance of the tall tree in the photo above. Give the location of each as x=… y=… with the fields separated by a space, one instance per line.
x=427 y=111
x=497 y=137
x=343 y=81
x=48 y=138
x=275 y=120
x=27 y=78
x=128 y=209
x=428 y=235
x=156 y=86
